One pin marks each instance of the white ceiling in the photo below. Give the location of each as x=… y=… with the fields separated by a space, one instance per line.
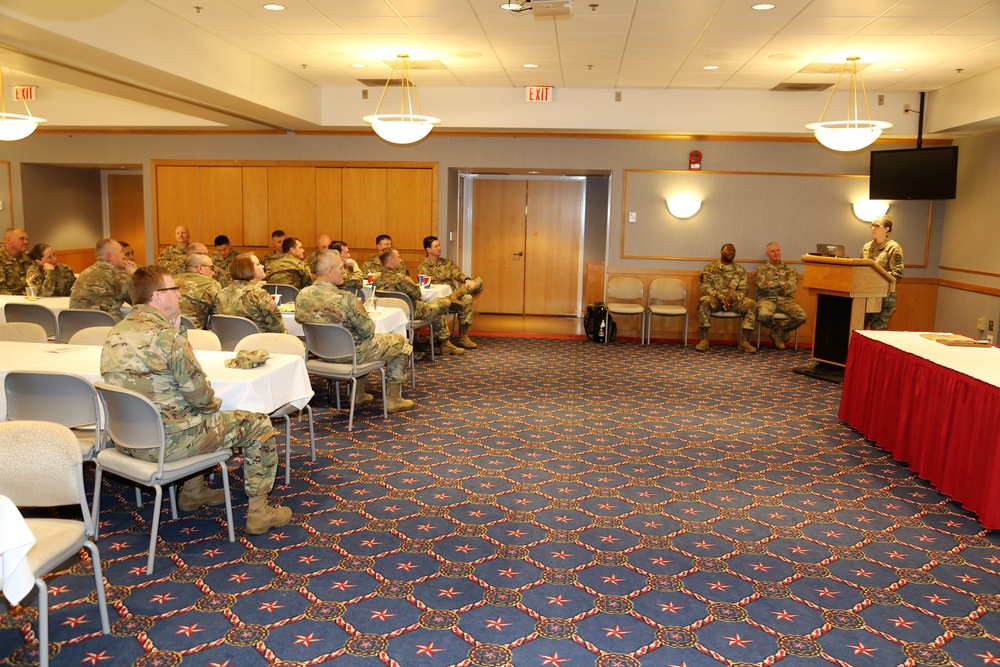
x=231 y=63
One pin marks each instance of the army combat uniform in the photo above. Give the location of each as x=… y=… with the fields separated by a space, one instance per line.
x=775 y=285
x=432 y=310
x=444 y=271
x=289 y=270
x=146 y=354
x=52 y=282
x=245 y=299
x=198 y=294
x=889 y=256
x=374 y=265
x=222 y=267
x=12 y=272
x=325 y=303
x=173 y=258
x=718 y=281
x=268 y=258
x=101 y=286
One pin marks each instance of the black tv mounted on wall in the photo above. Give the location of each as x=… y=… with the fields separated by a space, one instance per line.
x=914 y=173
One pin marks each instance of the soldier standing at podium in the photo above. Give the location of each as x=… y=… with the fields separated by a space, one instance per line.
x=889 y=255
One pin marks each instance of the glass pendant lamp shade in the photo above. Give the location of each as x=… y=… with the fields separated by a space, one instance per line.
x=13 y=126
x=409 y=125
x=854 y=133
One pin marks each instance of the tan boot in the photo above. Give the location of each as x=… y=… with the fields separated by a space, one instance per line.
x=745 y=344
x=447 y=347
x=463 y=339
x=394 y=402
x=261 y=517
x=195 y=495
x=779 y=341
x=363 y=397
x=703 y=343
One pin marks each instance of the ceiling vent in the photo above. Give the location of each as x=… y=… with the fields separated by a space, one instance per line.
x=802 y=87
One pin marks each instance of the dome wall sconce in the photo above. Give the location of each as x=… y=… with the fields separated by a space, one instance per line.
x=683 y=206
x=867 y=210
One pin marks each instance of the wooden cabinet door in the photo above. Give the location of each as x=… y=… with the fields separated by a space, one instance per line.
x=365 y=207
x=498 y=229
x=410 y=201
x=291 y=201
x=126 y=219
x=329 y=203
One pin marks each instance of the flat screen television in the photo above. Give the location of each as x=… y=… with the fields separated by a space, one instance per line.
x=914 y=173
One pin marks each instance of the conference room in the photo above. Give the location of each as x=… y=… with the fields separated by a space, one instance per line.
x=576 y=502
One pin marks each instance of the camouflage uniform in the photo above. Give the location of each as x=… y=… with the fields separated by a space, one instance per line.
x=325 y=303
x=432 y=310
x=289 y=270
x=311 y=260
x=248 y=300
x=889 y=256
x=268 y=258
x=775 y=286
x=52 y=282
x=12 y=272
x=198 y=294
x=145 y=353
x=374 y=265
x=101 y=286
x=222 y=267
x=719 y=280
x=353 y=277
x=446 y=272
x=173 y=258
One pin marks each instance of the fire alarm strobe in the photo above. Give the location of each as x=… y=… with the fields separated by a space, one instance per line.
x=694 y=161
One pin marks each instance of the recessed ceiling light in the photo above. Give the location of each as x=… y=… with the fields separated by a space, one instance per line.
x=274 y=7
x=530 y=65
x=710 y=67
x=358 y=65
x=897 y=69
x=762 y=6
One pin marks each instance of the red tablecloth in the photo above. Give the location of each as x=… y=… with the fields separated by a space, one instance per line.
x=943 y=423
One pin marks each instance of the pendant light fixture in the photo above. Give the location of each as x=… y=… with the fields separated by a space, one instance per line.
x=854 y=133
x=13 y=126
x=405 y=127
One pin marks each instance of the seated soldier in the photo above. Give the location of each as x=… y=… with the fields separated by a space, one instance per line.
x=322 y=243
x=724 y=287
x=324 y=302
x=776 y=283
x=46 y=275
x=222 y=257
x=246 y=298
x=277 y=238
x=147 y=353
x=104 y=284
x=289 y=269
x=373 y=264
x=14 y=261
x=445 y=271
x=396 y=281
x=174 y=256
x=198 y=288
x=352 y=272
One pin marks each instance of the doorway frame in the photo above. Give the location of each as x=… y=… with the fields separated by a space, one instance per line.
x=466 y=182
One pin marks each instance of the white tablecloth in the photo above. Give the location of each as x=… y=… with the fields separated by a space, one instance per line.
x=56 y=304
x=16 y=541
x=387 y=320
x=434 y=292
x=981 y=362
x=283 y=379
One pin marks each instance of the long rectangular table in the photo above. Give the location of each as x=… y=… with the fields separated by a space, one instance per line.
x=56 y=304
x=386 y=319
x=934 y=407
x=283 y=379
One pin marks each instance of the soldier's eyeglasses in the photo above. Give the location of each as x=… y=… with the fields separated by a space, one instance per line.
x=877 y=226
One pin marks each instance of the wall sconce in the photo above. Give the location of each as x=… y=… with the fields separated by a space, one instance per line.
x=867 y=210
x=683 y=206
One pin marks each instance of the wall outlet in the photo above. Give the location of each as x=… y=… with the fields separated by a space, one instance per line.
x=981 y=323
x=631 y=216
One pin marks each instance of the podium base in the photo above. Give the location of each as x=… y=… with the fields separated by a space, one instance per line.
x=822 y=371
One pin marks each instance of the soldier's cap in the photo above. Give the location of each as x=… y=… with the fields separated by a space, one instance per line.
x=248 y=359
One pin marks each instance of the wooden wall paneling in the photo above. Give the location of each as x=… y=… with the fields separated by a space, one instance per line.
x=593 y=282
x=916 y=305
x=80 y=258
x=126 y=216
x=412 y=207
x=221 y=205
x=177 y=202
x=256 y=232
x=329 y=205
x=291 y=201
x=365 y=213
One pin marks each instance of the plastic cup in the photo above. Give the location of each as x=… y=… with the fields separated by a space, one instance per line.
x=370 y=278
x=30 y=293
x=425 y=281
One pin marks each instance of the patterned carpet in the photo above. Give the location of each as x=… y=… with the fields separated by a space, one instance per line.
x=559 y=503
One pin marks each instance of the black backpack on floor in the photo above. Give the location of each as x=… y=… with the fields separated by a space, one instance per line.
x=593 y=323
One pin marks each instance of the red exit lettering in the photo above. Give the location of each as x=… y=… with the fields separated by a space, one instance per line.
x=538 y=94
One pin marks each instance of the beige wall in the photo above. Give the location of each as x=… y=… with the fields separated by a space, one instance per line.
x=61 y=206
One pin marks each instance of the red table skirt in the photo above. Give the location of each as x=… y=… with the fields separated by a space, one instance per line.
x=943 y=424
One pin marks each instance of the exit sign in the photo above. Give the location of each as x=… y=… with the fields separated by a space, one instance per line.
x=25 y=93
x=538 y=94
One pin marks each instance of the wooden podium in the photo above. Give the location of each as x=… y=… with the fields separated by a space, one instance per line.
x=846 y=288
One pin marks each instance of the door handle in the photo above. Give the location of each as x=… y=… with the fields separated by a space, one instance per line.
x=518 y=254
